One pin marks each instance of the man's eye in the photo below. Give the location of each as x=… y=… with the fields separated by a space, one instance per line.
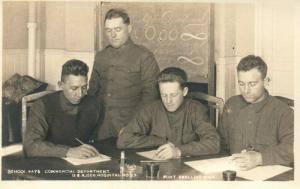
x=252 y=84
x=108 y=30
x=241 y=84
x=118 y=29
x=163 y=95
x=174 y=95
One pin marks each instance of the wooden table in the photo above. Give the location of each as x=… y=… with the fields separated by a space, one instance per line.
x=16 y=166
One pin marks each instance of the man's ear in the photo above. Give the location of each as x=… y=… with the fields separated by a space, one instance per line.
x=129 y=28
x=185 y=91
x=267 y=82
x=60 y=84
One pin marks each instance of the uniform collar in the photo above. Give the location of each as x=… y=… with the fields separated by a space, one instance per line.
x=125 y=46
x=66 y=105
x=179 y=109
x=259 y=105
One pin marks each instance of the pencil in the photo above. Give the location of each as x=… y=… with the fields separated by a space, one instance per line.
x=79 y=141
x=153 y=161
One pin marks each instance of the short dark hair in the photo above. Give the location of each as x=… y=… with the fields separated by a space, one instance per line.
x=74 y=67
x=251 y=61
x=118 y=13
x=172 y=74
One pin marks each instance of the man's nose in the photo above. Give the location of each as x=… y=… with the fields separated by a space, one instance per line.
x=80 y=93
x=247 y=89
x=113 y=34
x=169 y=99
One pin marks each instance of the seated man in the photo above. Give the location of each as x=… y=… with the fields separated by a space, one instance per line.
x=255 y=127
x=176 y=125
x=58 y=122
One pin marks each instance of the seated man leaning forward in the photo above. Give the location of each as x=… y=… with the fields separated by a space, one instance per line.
x=257 y=128
x=177 y=126
x=58 y=121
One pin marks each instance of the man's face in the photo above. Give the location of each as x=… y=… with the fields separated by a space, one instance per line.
x=74 y=88
x=117 y=31
x=251 y=85
x=172 y=95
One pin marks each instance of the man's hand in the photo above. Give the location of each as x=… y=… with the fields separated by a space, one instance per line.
x=247 y=160
x=168 y=151
x=82 y=151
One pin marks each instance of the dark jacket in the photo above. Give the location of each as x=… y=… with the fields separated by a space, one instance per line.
x=188 y=129
x=124 y=80
x=266 y=126
x=52 y=125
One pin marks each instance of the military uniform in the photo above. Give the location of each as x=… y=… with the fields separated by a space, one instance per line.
x=123 y=79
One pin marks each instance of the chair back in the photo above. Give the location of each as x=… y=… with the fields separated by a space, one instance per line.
x=27 y=102
x=214 y=103
x=286 y=100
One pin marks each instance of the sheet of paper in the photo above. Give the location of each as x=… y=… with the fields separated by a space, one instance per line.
x=149 y=154
x=221 y=164
x=11 y=149
x=212 y=165
x=263 y=172
x=96 y=159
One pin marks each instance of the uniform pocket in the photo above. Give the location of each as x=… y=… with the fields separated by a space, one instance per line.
x=131 y=75
x=126 y=112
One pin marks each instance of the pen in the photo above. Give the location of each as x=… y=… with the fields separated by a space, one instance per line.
x=79 y=141
x=158 y=151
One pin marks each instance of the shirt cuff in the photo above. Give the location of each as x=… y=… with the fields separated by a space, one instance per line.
x=267 y=158
x=62 y=151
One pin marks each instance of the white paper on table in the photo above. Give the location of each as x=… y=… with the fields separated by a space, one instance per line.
x=222 y=164
x=263 y=172
x=96 y=159
x=11 y=149
x=149 y=154
x=212 y=165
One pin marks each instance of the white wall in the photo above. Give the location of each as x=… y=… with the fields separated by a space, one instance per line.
x=65 y=30
x=234 y=38
x=14 y=55
x=264 y=28
x=69 y=35
x=275 y=34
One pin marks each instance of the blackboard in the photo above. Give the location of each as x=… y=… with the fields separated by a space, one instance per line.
x=177 y=33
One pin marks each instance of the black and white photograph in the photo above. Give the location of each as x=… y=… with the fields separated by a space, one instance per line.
x=198 y=93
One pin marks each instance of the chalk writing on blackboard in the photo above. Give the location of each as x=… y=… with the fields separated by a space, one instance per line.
x=178 y=34
x=198 y=61
x=150 y=33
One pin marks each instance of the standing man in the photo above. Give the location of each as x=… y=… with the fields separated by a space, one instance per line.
x=177 y=126
x=257 y=128
x=124 y=75
x=59 y=121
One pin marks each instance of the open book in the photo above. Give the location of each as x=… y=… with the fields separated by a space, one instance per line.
x=96 y=159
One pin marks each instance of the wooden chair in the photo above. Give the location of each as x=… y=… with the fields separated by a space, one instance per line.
x=288 y=101
x=27 y=102
x=214 y=103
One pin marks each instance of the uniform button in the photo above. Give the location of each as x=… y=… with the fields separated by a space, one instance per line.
x=108 y=94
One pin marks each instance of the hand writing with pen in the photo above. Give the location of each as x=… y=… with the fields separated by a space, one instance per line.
x=247 y=159
x=83 y=151
x=167 y=151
